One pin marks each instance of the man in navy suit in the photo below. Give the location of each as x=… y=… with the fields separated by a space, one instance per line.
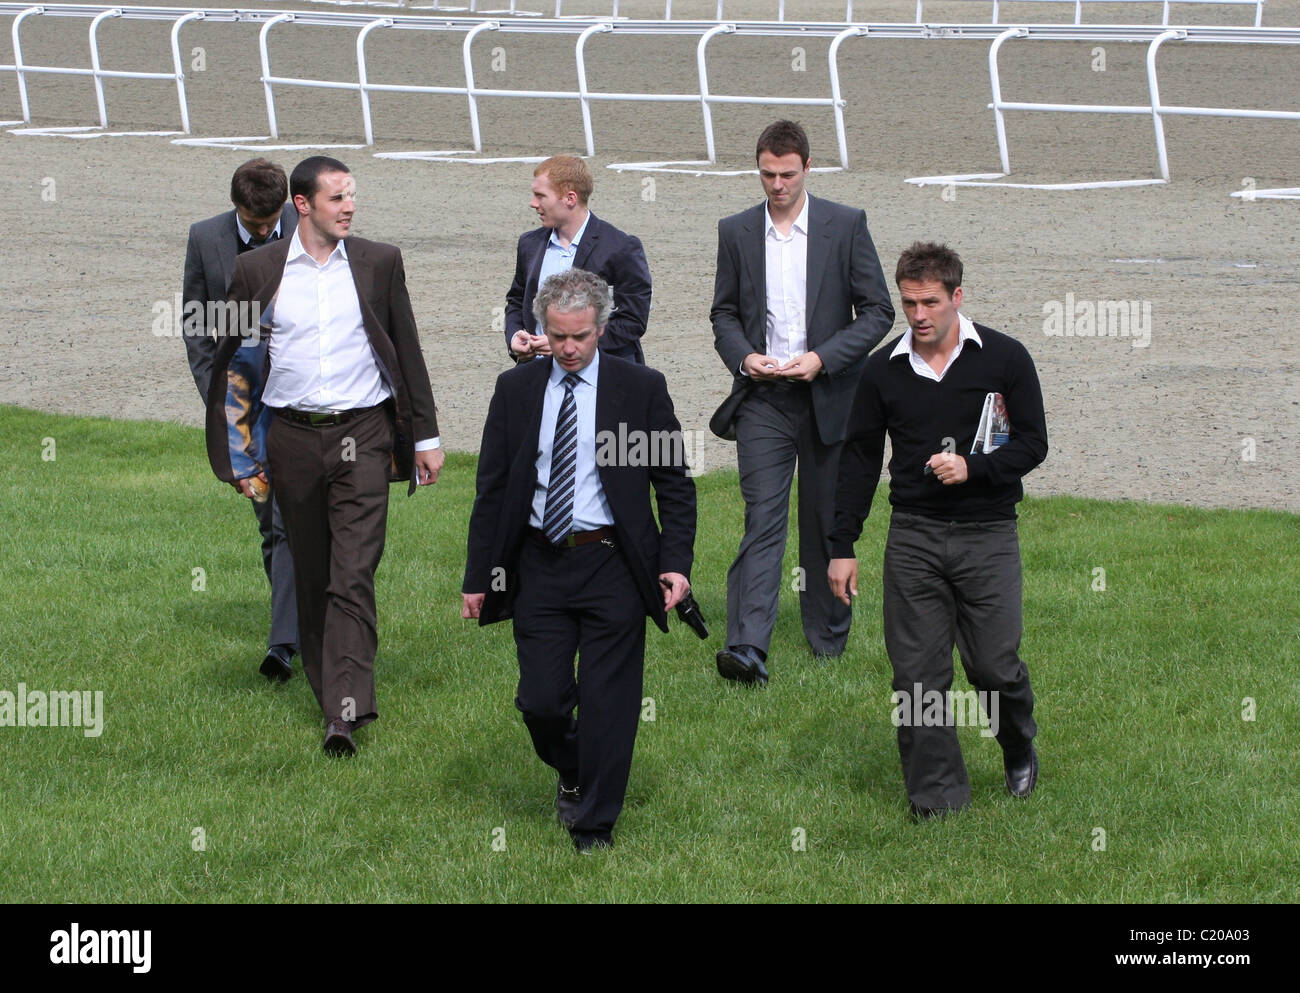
x=258 y=190
x=571 y=236
x=562 y=538
x=798 y=302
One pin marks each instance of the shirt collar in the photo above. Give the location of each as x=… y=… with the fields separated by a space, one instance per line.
x=246 y=236
x=588 y=375
x=577 y=238
x=800 y=222
x=965 y=332
x=296 y=251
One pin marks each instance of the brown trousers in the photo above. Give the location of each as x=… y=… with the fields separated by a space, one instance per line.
x=331 y=482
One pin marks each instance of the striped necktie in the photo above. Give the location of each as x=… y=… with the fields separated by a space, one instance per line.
x=558 y=519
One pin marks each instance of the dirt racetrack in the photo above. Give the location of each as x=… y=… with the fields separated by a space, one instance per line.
x=1207 y=413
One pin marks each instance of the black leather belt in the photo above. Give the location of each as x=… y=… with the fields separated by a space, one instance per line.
x=574 y=538
x=317 y=419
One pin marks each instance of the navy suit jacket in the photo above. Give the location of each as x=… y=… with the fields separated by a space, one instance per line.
x=615 y=257
x=629 y=397
x=209 y=265
x=848 y=310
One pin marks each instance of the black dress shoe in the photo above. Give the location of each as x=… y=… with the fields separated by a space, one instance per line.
x=1022 y=772
x=743 y=663
x=338 y=738
x=586 y=842
x=567 y=799
x=276 y=667
x=920 y=814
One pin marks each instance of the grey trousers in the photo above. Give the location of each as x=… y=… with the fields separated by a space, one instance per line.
x=775 y=429
x=278 y=562
x=947 y=583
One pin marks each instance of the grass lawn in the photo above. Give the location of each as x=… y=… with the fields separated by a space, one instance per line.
x=208 y=785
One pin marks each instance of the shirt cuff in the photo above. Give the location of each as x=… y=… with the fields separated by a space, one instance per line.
x=429 y=444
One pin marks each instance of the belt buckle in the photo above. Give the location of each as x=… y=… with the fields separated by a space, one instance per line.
x=318 y=419
x=607 y=541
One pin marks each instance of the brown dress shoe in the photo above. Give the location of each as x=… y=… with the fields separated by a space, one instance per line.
x=338 y=738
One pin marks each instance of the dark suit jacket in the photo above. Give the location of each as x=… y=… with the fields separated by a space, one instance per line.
x=209 y=263
x=615 y=257
x=628 y=395
x=848 y=308
x=234 y=397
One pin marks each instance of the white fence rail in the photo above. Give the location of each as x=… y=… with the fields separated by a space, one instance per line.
x=706 y=33
x=1079 y=6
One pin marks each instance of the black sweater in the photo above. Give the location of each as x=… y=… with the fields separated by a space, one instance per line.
x=919 y=414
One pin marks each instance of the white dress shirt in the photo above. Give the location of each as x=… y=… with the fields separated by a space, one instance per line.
x=321 y=359
x=965 y=332
x=787 y=290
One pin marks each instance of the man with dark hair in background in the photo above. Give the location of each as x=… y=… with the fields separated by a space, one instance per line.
x=348 y=408
x=799 y=300
x=952 y=559
x=571 y=236
x=259 y=191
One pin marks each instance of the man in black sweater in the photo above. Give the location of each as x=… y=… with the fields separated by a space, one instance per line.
x=952 y=559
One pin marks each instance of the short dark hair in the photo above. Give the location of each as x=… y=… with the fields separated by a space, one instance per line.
x=305 y=180
x=259 y=187
x=782 y=138
x=924 y=260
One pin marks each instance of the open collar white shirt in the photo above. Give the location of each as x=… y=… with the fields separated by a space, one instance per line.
x=321 y=359
x=965 y=332
x=787 y=290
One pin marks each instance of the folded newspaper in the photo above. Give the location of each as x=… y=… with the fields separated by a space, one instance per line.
x=995 y=427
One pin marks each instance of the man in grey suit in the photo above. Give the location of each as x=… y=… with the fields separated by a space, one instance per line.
x=799 y=300
x=258 y=190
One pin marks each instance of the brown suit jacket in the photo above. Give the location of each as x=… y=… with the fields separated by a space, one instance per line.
x=386 y=314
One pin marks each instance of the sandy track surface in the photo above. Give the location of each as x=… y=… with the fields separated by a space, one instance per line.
x=1206 y=412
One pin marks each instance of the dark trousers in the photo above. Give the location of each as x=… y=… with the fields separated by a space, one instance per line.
x=948 y=582
x=277 y=559
x=775 y=429
x=581 y=601
x=331 y=482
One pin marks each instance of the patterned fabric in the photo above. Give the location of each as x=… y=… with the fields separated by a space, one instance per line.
x=247 y=418
x=558 y=519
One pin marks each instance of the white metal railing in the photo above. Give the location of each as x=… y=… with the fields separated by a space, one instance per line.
x=1078 y=6
x=706 y=32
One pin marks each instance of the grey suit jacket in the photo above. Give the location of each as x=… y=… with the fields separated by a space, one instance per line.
x=848 y=310
x=209 y=265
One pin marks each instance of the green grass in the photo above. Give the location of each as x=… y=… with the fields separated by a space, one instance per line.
x=1139 y=688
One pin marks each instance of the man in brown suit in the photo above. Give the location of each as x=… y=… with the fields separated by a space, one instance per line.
x=319 y=383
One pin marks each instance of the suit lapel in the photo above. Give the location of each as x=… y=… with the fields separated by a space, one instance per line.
x=228 y=249
x=588 y=243
x=753 y=259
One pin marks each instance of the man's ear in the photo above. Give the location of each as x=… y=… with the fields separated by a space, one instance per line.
x=301 y=204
